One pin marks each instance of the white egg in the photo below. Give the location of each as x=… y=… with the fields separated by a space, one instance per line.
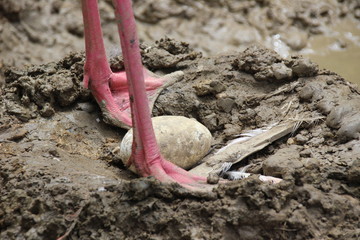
x=182 y=140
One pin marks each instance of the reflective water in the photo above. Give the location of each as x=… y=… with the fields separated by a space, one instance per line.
x=338 y=50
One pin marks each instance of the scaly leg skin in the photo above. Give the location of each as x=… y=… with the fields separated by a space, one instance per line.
x=145 y=153
x=110 y=89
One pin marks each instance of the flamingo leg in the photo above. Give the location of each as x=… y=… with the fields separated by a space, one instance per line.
x=145 y=153
x=108 y=88
x=123 y=97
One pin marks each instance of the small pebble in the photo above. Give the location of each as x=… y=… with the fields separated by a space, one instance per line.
x=213 y=178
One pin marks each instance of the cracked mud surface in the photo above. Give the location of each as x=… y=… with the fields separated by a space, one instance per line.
x=60 y=172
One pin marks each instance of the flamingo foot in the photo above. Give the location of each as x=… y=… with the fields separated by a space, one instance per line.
x=112 y=94
x=168 y=172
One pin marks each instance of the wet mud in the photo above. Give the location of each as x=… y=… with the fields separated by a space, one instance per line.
x=61 y=176
x=36 y=32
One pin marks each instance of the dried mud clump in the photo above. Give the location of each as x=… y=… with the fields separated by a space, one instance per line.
x=169 y=54
x=346 y=118
x=40 y=90
x=326 y=96
x=267 y=65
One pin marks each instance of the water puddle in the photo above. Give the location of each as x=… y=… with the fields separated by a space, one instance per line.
x=338 y=50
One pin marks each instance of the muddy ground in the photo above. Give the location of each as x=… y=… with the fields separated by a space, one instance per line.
x=36 y=32
x=61 y=176
x=60 y=171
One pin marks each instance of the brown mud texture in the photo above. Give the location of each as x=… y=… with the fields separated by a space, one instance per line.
x=60 y=174
x=61 y=177
x=40 y=31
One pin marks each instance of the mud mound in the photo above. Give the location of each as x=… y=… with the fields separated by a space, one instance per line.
x=58 y=174
x=40 y=89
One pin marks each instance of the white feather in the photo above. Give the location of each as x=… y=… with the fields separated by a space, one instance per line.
x=246 y=136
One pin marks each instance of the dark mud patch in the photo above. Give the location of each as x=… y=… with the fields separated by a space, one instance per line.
x=60 y=173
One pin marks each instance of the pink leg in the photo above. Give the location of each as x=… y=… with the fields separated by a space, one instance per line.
x=146 y=154
x=108 y=88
